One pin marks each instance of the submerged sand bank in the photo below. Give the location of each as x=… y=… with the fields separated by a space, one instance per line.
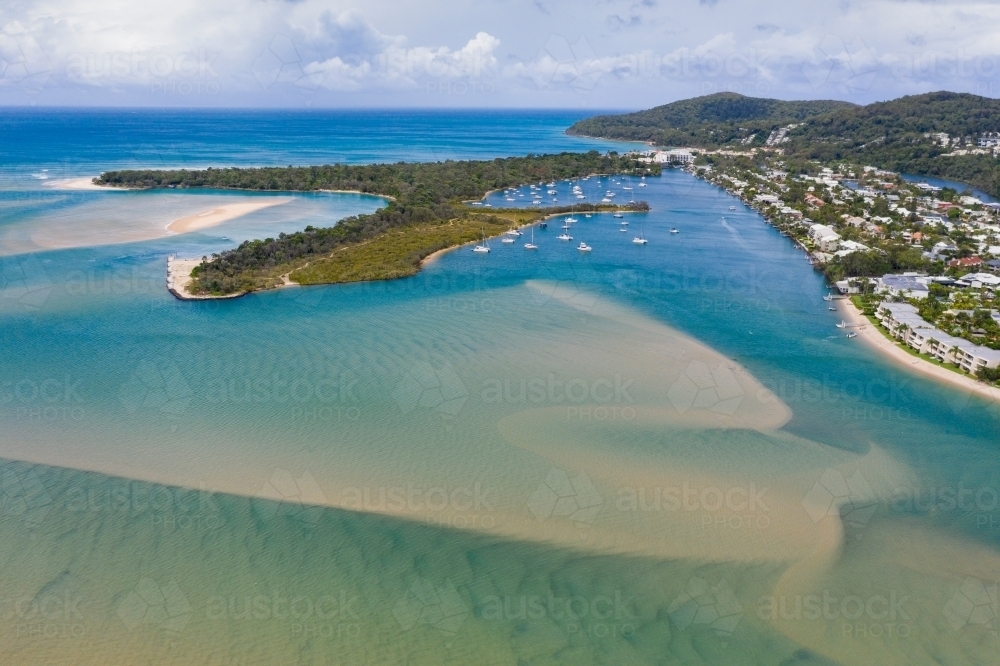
x=875 y=339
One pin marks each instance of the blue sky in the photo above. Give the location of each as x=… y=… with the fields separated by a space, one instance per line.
x=457 y=53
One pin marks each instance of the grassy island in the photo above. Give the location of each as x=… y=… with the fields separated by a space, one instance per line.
x=426 y=213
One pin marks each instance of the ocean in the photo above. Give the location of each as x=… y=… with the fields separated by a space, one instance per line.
x=639 y=455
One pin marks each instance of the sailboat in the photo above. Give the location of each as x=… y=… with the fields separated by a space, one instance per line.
x=640 y=239
x=484 y=247
x=618 y=216
x=531 y=245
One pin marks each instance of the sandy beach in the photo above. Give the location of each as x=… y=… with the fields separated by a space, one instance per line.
x=179 y=278
x=877 y=340
x=82 y=184
x=216 y=216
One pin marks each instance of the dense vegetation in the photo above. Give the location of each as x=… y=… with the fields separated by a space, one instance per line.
x=712 y=120
x=426 y=203
x=892 y=135
x=358 y=248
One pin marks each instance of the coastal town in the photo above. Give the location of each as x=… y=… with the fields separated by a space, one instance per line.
x=921 y=262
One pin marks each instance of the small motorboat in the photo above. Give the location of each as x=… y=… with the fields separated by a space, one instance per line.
x=618 y=216
x=852 y=334
x=564 y=237
x=583 y=247
x=507 y=240
x=673 y=230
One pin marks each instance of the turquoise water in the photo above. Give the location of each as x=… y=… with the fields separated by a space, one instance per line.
x=421 y=431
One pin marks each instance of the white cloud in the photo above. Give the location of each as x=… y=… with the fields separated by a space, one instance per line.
x=270 y=51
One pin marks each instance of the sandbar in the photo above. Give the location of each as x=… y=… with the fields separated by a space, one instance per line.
x=82 y=184
x=216 y=216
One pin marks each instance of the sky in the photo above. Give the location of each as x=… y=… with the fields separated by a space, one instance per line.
x=586 y=54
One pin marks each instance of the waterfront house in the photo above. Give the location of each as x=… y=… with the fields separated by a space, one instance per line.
x=906 y=286
x=825 y=238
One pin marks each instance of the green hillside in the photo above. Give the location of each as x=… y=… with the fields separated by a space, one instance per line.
x=897 y=135
x=712 y=120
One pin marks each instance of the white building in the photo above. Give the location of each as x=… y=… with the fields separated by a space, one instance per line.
x=904 y=323
x=675 y=155
x=825 y=238
x=907 y=286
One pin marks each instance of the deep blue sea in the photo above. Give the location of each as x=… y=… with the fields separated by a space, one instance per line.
x=650 y=454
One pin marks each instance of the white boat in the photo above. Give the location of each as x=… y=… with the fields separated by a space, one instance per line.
x=484 y=247
x=509 y=198
x=564 y=237
x=553 y=192
x=605 y=200
x=531 y=245
x=732 y=208
x=642 y=184
x=586 y=214
x=512 y=232
x=580 y=196
x=641 y=238
x=507 y=239
x=583 y=247
x=571 y=220
x=626 y=188
x=618 y=216
x=842 y=324
x=623 y=229
x=673 y=230
x=552 y=184
x=852 y=334
x=828 y=297
x=536 y=203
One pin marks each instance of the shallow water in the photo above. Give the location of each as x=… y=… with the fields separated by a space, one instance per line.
x=599 y=439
